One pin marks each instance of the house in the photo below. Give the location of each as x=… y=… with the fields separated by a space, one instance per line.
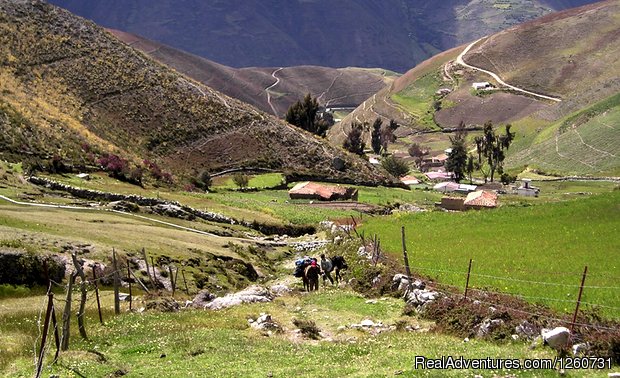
x=314 y=191
x=438 y=176
x=466 y=188
x=526 y=189
x=481 y=199
x=482 y=85
x=409 y=180
x=447 y=186
x=452 y=203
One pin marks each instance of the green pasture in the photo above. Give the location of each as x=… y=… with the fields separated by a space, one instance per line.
x=535 y=250
x=198 y=343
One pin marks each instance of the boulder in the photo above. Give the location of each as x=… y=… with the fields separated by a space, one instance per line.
x=367 y=323
x=487 y=326
x=580 y=349
x=526 y=329
x=279 y=290
x=264 y=322
x=202 y=298
x=251 y=294
x=556 y=338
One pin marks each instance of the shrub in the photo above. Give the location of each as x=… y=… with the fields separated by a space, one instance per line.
x=308 y=328
x=241 y=180
x=395 y=166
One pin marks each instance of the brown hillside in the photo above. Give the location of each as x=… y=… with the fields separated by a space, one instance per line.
x=67 y=81
x=334 y=87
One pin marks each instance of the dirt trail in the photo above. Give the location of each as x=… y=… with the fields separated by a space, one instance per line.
x=273 y=74
x=460 y=61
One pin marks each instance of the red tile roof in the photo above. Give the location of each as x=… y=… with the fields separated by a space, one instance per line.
x=481 y=198
x=323 y=191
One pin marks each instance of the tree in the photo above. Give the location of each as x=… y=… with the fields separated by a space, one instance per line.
x=305 y=114
x=375 y=137
x=241 y=180
x=203 y=180
x=457 y=158
x=395 y=166
x=470 y=167
x=491 y=147
x=354 y=142
x=415 y=151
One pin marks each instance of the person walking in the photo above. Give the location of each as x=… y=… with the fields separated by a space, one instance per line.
x=326 y=267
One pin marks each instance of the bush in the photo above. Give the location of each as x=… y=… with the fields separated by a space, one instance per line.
x=308 y=328
x=241 y=180
x=395 y=166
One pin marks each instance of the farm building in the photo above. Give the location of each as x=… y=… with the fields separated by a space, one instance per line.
x=482 y=85
x=438 y=176
x=449 y=186
x=526 y=189
x=409 y=180
x=481 y=199
x=452 y=203
x=315 y=191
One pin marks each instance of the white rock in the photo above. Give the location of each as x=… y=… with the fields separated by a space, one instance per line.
x=367 y=323
x=580 y=349
x=371 y=301
x=341 y=328
x=557 y=337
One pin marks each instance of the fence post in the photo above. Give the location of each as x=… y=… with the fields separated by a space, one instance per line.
x=129 y=282
x=185 y=282
x=117 y=303
x=146 y=261
x=153 y=271
x=583 y=280
x=81 y=311
x=467 y=282
x=171 y=279
x=66 y=315
x=48 y=313
x=138 y=280
x=97 y=293
x=406 y=258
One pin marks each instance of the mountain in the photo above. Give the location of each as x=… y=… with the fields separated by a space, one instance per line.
x=570 y=55
x=272 y=90
x=70 y=91
x=392 y=34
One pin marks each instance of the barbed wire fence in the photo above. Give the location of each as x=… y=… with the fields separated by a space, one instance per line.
x=48 y=323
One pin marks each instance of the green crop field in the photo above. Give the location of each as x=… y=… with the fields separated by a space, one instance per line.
x=536 y=251
x=417 y=98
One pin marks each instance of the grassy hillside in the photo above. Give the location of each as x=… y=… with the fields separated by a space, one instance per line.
x=335 y=87
x=70 y=89
x=569 y=54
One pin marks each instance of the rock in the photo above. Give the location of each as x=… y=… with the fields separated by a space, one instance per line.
x=367 y=323
x=123 y=297
x=163 y=304
x=338 y=164
x=613 y=374
x=515 y=337
x=202 y=298
x=466 y=340
x=265 y=322
x=526 y=329
x=580 y=349
x=556 y=338
x=375 y=281
x=371 y=301
x=341 y=328
x=338 y=240
x=488 y=325
x=420 y=297
x=251 y=294
x=280 y=290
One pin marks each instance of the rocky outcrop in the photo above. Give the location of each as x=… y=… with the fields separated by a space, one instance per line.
x=252 y=294
x=22 y=268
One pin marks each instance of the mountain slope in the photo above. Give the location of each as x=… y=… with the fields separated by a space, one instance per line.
x=72 y=90
x=392 y=34
x=571 y=55
x=342 y=87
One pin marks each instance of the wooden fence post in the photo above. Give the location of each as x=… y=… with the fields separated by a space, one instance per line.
x=117 y=303
x=46 y=324
x=467 y=282
x=171 y=279
x=583 y=280
x=97 y=293
x=83 y=297
x=185 y=282
x=138 y=280
x=66 y=315
x=406 y=258
x=146 y=261
x=129 y=282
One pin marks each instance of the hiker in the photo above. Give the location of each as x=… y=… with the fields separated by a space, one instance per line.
x=326 y=267
x=339 y=264
x=311 y=276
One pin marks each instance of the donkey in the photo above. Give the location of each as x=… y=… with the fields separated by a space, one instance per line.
x=311 y=277
x=339 y=264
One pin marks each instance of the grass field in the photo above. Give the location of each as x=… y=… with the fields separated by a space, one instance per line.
x=417 y=98
x=549 y=243
x=221 y=344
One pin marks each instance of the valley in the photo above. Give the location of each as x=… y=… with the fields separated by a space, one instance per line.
x=158 y=214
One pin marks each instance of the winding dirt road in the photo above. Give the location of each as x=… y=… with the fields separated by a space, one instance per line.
x=460 y=61
x=273 y=74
